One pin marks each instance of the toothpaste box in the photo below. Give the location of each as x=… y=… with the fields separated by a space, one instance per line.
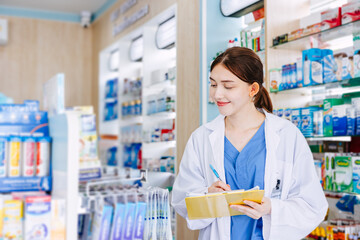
x=13 y=219
x=330 y=18
x=307 y=121
x=350 y=12
x=58 y=211
x=280 y=113
x=356 y=173
x=37 y=217
x=130 y=214
x=296 y=117
x=328 y=114
x=340 y=120
x=140 y=221
x=343 y=174
x=117 y=231
x=329 y=162
x=287 y=114
x=102 y=222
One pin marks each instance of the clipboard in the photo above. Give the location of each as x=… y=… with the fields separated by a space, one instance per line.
x=218 y=204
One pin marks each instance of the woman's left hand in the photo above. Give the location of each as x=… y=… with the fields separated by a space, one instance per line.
x=253 y=209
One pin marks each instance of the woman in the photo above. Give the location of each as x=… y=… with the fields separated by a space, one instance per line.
x=249 y=146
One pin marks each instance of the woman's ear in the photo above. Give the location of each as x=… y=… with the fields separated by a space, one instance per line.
x=254 y=89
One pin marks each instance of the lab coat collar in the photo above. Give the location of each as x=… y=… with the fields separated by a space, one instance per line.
x=272 y=127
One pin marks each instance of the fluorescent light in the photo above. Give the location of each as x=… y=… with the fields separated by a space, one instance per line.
x=340 y=43
x=136 y=51
x=166 y=34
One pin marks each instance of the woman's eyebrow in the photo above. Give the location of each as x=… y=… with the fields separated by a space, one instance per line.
x=224 y=81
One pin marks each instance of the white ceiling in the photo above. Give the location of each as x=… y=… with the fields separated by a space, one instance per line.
x=67 y=6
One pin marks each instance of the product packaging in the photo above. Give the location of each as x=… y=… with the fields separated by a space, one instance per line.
x=330 y=18
x=342 y=176
x=275 y=79
x=3 y=156
x=58 y=214
x=14 y=156
x=307 y=121
x=340 y=120
x=28 y=156
x=312 y=67
x=329 y=66
x=13 y=219
x=356 y=174
x=350 y=12
x=351 y=120
x=37 y=218
x=328 y=114
x=329 y=168
x=42 y=156
x=296 y=117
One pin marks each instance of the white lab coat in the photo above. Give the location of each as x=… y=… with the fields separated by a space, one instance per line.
x=296 y=208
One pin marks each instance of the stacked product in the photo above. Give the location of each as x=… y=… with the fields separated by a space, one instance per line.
x=31 y=215
x=24 y=148
x=321 y=21
x=143 y=214
x=111 y=100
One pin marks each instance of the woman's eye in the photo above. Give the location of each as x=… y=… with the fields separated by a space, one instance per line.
x=228 y=87
x=212 y=85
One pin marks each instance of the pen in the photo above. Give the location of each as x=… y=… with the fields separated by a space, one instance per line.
x=215 y=172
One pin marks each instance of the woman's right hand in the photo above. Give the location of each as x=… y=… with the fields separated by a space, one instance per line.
x=219 y=186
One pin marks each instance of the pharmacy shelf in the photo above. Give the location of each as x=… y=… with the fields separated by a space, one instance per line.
x=162 y=144
x=344 y=86
x=323 y=36
x=335 y=194
x=333 y=138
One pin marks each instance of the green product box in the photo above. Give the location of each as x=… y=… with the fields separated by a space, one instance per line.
x=328 y=114
x=343 y=174
x=329 y=168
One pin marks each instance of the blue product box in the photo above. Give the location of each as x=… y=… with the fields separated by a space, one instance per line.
x=312 y=66
x=130 y=214
x=111 y=88
x=329 y=66
x=299 y=73
x=140 y=221
x=293 y=76
x=111 y=156
x=280 y=113
x=106 y=222
x=117 y=231
x=275 y=112
x=287 y=114
x=296 y=117
x=339 y=120
x=351 y=121
x=127 y=155
x=307 y=121
x=110 y=111
x=135 y=155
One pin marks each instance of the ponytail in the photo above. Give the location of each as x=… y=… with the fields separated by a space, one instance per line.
x=262 y=100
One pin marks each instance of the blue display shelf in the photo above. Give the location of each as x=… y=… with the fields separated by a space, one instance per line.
x=17 y=184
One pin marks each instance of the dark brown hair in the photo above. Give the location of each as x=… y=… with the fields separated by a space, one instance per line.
x=246 y=65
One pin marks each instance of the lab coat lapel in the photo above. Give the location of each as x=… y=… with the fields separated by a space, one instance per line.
x=216 y=138
x=272 y=140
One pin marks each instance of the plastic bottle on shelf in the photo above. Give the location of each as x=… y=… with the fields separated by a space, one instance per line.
x=236 y=43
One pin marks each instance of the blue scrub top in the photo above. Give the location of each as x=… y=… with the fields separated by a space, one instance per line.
x=245 y=170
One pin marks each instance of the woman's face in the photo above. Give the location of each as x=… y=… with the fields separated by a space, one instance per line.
x=229 y=92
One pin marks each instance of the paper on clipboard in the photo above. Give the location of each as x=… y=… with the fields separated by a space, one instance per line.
x=218 y=205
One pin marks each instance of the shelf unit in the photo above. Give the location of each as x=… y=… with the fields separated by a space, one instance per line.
x=151 y=70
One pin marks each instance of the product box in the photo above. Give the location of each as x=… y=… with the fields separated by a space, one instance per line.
x=296 y=117
x=140 y=221
x=312 y=67
x=350 y=12
x=340 y=120
x=356 y=41
x=342 y=176
x=330 y=18
x=37 y=218
x=275 y=79
x=329 y=160
x=356 y=174
x=318 y=122
x=299 y=73
x=3 y=156
x=13 y=219
x=111 y=88
x=58 y=220
x=350 y=121
x=102 y=222
x=328 y=114
x=280 y=112
x=307 y=121
x=287 y=114
x=130 y=213
x=329 y=66
x=318 y=165
x=356 y=104
x=117 y=230
x=347 y=67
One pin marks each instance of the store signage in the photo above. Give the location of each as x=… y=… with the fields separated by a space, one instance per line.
x=128 y=21
x=122 y=9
